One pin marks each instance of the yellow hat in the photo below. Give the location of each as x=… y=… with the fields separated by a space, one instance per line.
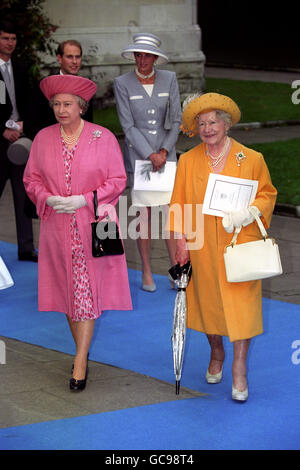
x=196 y=104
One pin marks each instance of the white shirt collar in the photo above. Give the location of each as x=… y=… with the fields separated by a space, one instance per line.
x=2 y=63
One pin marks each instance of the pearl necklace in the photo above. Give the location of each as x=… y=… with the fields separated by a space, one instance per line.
x=144 y=76
x=216 y=160
x=71 y=140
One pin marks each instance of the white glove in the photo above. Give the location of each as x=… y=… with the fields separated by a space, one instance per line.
x=52 y=200
x=69 y=204
x=243 y=217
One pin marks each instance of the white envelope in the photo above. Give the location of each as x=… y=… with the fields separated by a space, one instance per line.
x=147 y=180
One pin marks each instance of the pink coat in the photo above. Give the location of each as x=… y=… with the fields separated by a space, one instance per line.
x=98 y=164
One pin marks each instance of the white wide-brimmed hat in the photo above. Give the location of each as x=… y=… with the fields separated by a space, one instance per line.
x=18 y=151
x=145 y=42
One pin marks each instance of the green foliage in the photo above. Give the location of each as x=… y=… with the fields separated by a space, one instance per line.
x=33 y=30
x=108 y=117
x=258 y=101
x=283 y=160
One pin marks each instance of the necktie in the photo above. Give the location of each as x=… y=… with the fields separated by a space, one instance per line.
x=11 y=91
x=7 y=79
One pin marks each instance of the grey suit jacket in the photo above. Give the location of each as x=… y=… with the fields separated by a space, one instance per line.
x=149 y=123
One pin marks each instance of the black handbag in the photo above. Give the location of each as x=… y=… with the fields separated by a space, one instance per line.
x=106 y=239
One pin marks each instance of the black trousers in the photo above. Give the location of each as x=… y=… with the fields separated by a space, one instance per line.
x=14 y=173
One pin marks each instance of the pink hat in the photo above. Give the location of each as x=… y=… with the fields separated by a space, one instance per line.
x=73 y=84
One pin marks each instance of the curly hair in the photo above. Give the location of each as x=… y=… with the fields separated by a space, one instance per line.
x=82 y=103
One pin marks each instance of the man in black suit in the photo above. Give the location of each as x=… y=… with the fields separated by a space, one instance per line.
x=69 y=57
x=14 y=107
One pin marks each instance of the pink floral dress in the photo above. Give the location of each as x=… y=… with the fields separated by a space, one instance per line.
x=82 y=294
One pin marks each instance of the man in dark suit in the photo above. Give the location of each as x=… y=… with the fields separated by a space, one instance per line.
x=14 y=107
x=69 y=57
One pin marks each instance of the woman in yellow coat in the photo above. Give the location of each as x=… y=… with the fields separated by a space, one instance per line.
x=215 y=306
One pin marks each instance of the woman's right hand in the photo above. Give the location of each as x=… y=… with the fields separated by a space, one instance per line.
x=158 y=160
x=182 y=255
x=66 y=205
x=53 y=200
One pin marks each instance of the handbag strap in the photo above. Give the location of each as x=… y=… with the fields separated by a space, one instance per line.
x=95 y=205
x=262 y=229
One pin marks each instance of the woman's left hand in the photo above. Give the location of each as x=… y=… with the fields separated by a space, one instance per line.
x=237 y=219
x=163 y=155
x=158 y=159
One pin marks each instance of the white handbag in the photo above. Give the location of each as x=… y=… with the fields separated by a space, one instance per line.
x=253 y=260
x=5 y=277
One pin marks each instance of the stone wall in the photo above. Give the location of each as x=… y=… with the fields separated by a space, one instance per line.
x=105 y=27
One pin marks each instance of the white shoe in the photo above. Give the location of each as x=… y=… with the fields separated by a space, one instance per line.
x=149 y=287
x=214 y=378
x=239 y=395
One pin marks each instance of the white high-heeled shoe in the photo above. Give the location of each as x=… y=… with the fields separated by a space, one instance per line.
x=239 y=395
x=214 y=378
x=149 y=287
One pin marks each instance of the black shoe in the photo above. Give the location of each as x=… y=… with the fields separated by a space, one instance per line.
x=28 y=256
x=78 y=385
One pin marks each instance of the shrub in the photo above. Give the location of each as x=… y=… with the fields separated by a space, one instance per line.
x=33 y=30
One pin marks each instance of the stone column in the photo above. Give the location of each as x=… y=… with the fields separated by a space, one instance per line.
x=104 y=28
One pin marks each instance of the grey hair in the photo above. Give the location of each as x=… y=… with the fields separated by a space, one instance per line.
x=225 y=116
x=83 y=104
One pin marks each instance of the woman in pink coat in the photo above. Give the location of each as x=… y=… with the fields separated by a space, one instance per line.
x=67 y=162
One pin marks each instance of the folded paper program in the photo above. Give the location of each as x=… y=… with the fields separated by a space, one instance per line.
x=145 y=179
x=147 y=169
x=11 y=124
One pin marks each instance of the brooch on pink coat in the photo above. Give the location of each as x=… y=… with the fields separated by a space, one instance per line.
x=96 y=135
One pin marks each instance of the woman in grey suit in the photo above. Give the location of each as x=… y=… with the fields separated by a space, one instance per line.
x=148 y=104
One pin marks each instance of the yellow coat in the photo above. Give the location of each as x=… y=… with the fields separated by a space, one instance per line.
x=216 y=306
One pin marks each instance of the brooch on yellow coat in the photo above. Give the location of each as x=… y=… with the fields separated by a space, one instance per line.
x=240 y=157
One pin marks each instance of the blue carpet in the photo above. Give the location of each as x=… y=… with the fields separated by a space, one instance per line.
x=140 y=341
x=194 y=424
